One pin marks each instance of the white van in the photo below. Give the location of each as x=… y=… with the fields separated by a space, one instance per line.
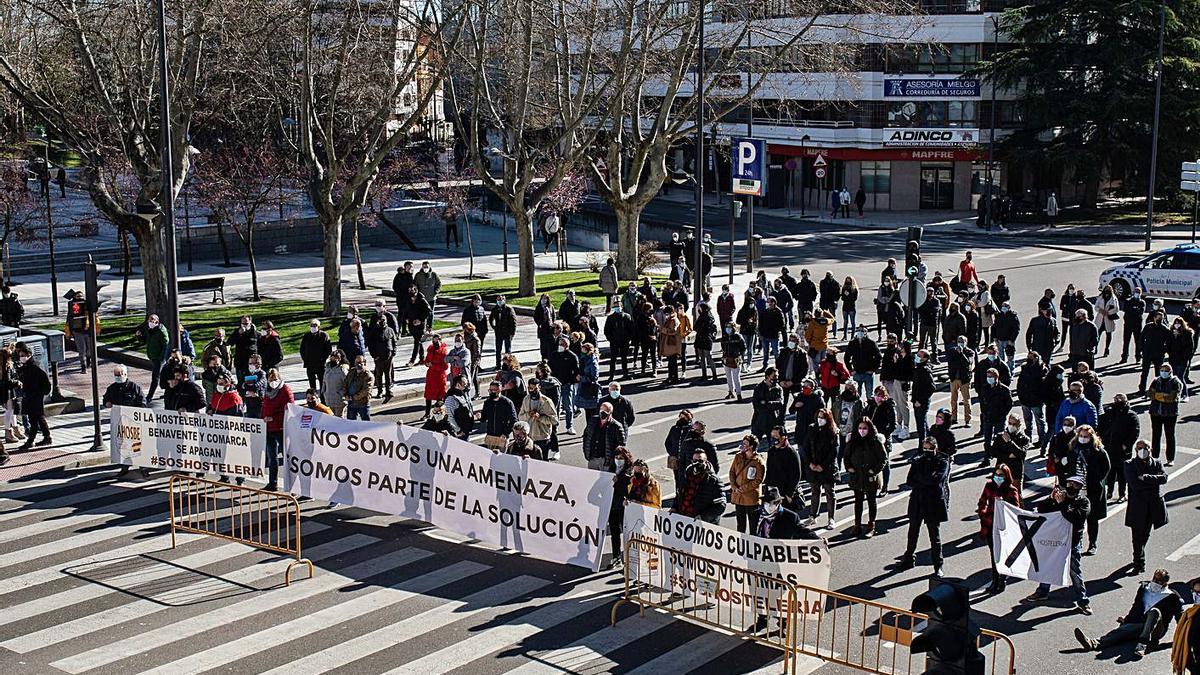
x=1172 y=273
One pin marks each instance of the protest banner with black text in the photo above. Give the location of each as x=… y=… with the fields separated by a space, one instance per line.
x=802 y=562
x=193 y=442
x=544 y=509
x=1033 y=546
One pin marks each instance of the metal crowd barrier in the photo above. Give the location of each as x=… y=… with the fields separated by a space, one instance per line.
x=258 y=518
x=834 y=627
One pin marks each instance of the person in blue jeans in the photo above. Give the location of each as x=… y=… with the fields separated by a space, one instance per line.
x=358 y=390
x=771 y=325
x=1074 y=506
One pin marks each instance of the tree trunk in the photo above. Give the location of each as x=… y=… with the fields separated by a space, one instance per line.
x=1091 y=192
x=331 y=253
x=629 y=219
x=523 y=224
x=253 y=261
x=221 y=238
x=126 y=270
x=362 y=280
x=154 y=266
x=470 y=246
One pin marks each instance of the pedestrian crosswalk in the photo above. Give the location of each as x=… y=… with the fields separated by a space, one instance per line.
x=90 y=584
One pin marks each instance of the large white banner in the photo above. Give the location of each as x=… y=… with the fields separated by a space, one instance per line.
x=192 y=442
x=803 y=562
x=545 y=509
x=1033 y=546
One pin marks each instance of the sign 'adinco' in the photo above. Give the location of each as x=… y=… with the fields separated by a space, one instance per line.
x=930 y=136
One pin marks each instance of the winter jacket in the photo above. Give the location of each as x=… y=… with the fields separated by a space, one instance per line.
x=995 y=401
x=498 y=416
x=564 y=365
x=1082 y=410
x=745 y=477
x=700 y=495
x=619 y=330
x=1084 y=338
x=1098 y=465
x=608 y=279
x=219 y=348
x=733 y=346
x=863 y=355
x=1031 y=384
x=771 y=323
x=587 y=391
x=923 y=386
x=953 y=326
x=1107 y=310
x=274 y=405
x=1146 y=506
x=830 y=291
x=792 y=368
x=1007 y=326
x=768 y=408
x=353 y=344
x=959 y=363
x=783 y=470
x=670 y=341
x=944 y=435
x=866 y=456
x=315 y=349
x=541 y=425
x=1042 y=335
x=929 y=477
x=706 y=332
x=428 y=284
x=128 y=394
x=822 y=450
x=333 y=383
x=1164 y=396
x=1155 y=340
x=1119 y=428
x=503 y=321
x=985 y=364
x=381 y=340
x=437 y=369
x=1180 y=348
x=992 y=493
x=601 y=440
x=1074 y=509
x=816 y=333
x=882 y=414
x=358 y=386
x=832 y=374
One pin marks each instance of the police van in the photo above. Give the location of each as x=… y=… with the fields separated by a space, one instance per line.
x=1172 y=273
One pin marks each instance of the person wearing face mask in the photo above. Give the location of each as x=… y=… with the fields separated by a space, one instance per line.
x=208 y=377
x=783 y=469
x=428 y=284
x=601 y=439
x=541 y=419
x=1180 y=350
x=816 y=335
x=942 y=432
x=274 y=408
x=791 y=367
x=1155 y=606
x=154 y=335
x=1041 y=336
x=705 y=338
x=1147 y=510
x=1119 y=430
x=1095 y=466
x=417 y=315
x=929 y=315
x=999 y=488
x=521 y=444
x=544 y=317
x=733 y=349
x=864 y=359
x=1074 y=506
x=312 y=401
x=786 y=303
x=1066 y=457
x=676 y=460
x=670 y=343
x=768 y=404
x=643 y=486
x=865 y=458
x=460 y=413
x=921 y=394
x=1134 y=310
x=700 y=495
x=1164 y=394
x=620 y=332
x=439 y=421
x=1107 y=312
x=647 y=339
x=1010 y=447
x=959 y=360
x=820 y=465
x=995 y=402
x=1156 y=340
x=622 y=480
x=503 y=320
x=609 y=282
x=928 y=504
x=351 y=337
x=34 y=386
x=123 y=391
x=1006 y=330
x=881 y=410
x=568 y=309
x=402 y=285
x=253 y=386
x=226 y=400
x=849 y=298
x=381 y=339
x=358 y=391
x=745 y=478
x=621 y=405
x=498 y=416
x=333 y=382
x=437 y=369
x=831 y=374
x=1076 y=405
x=1084 y=340
x=475 y=315
x=459 y=357
x=954 y=325
x=244 y=342
x=315 y=347
x=1030 y=394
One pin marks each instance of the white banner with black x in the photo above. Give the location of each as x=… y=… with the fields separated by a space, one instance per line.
x=1033 y=546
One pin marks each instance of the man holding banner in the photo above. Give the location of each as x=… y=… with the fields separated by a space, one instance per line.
x=1035 y=547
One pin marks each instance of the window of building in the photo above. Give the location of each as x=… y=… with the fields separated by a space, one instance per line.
x=933 y=59
x=877 y=177
x=933 y=114
x=949 y=6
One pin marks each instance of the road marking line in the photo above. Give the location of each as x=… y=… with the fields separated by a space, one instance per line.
x=104 y=513
x=88 y=539
x=69 y=500
x=547 y=616
x=585 y=651
x=280 y=597
x=1190 y=548
x=141 y=608
x=346 y=652
x=1039 y=254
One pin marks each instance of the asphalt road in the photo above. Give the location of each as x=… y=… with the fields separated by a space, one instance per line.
x=483 y=611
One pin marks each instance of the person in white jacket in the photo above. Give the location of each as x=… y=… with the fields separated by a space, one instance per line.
x=1107 y=311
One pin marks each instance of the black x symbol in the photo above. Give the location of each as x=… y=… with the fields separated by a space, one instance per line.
x=1029 y=526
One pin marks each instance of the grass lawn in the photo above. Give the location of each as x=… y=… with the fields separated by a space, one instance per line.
x=585 y=284
x=1121 y=216
x=290 y=317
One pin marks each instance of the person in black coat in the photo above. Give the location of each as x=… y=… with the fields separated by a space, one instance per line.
x=1147 y=510
x=863 y=359
x=1133 y=309
x=1156 y=338
x=123 y=391
x=705 y=330
x=1042 y=334
x=1074 y=506
x=402 y=284
x=783 y=470
x=692 y=441
x=1145 y=625
x=768 y=404
x=808 y=404
x=503 y=320
x=1096 y=461
x=416 y=315
x=35 y=387
x=1030 y=394
x=806 y=293
x=821 y=463
x=475 y=315
x=315 y=348
x=995 y=401
x=792 y=368
x=601 y=439
x=619 y=331
x=1011 y=446
x=942 y=431
x=1119 y=429
x=831 y=292
x=675 y=458
x=700 y=495
x=928 y=503
x=775 y=521
x=922 y=391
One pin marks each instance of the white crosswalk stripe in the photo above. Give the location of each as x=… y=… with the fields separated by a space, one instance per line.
x=87 y=539
x=589 y=653
x=111 y=512
x=322 y=583
x=142 y=608
x=322 y=619
x=72 y=499
x=407 y=629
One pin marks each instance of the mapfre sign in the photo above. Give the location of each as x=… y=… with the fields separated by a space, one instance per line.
x=930 y=137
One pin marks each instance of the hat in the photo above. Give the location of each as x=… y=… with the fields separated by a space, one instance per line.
x=1077 y=479
x=771 y=496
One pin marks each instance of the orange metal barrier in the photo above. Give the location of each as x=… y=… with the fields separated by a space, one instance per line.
x=258 y=518
x=834 y=627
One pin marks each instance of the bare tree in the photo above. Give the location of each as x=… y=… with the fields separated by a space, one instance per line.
x=754 y=50
x=526 y=82
x=87 y=70
x=366 y=72
x=18 y=209
x=237 y=184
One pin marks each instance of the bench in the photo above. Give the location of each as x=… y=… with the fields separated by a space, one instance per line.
x=203 y=285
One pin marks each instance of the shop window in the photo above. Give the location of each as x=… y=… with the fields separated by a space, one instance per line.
x=877 y=177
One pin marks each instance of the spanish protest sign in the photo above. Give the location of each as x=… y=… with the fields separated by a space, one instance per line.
x=193 y=442
x=544 y=509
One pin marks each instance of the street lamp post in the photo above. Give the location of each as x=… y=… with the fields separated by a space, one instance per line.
x=187 y=214
x=992 y=131
x=167 y=194
x=1158 y=73
x=698 y=270
x=803 y=195
x=45 y=182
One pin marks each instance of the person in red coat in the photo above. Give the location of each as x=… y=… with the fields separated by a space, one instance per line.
x=435 y=377
x=999 y=487
x=274 y=407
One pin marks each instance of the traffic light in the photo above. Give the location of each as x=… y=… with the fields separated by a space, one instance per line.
x=912 y=252
x=950 y=638
x=92 y=284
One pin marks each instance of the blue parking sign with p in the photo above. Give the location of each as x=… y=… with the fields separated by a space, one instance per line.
x=749 y=167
